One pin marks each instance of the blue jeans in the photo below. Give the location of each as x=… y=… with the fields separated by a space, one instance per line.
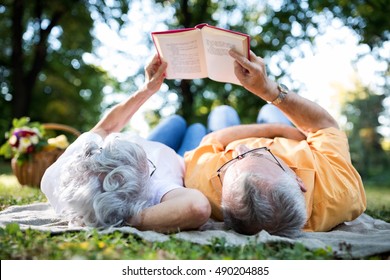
x=271 y=114
x=174 y=133
x=224 y=116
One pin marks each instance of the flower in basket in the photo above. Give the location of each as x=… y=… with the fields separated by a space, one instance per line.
x=26 y=138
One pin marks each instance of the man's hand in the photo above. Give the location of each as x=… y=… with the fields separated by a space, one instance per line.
x=155 y=74
x=306 y=115
x=252 y=75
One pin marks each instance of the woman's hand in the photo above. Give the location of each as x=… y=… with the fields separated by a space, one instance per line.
x=121 y=113
x=155 y=74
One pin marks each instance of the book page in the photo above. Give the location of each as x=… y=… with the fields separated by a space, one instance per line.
x=184 y=53
x=220 y=64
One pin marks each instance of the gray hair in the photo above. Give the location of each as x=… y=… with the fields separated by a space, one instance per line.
x=252 y=205
x=104 y=187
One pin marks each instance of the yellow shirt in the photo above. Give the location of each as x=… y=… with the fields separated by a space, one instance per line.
x=335 y=191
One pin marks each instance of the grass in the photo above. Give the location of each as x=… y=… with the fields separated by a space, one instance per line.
x=32 y=244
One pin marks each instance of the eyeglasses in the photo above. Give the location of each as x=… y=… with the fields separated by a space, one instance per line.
x=153 y=167
x=226 y=165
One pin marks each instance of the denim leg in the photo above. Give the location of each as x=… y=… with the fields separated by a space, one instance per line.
x=169 y=131
x=192 y=138
x=221 y=117
x=271 y=114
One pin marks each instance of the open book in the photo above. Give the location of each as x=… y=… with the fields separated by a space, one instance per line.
x=200 y=52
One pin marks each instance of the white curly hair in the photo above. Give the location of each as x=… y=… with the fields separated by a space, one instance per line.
x=104 y=187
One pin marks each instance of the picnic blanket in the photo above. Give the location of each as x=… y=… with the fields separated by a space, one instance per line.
x=363 y=237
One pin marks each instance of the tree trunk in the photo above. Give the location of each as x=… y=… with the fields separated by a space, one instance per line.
x=24 y=79
x=187 y=101
x=20 y=101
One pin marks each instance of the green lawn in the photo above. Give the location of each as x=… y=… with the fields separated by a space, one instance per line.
x=30 y=244
x=378 y=202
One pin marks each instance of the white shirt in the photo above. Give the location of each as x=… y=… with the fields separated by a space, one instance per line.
x=168 y=175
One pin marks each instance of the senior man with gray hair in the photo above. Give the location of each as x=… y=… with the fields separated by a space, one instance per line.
x=274 y=176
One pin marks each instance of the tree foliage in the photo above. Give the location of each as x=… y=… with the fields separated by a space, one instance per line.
x=368 y=18
x=362 y=109
x=42 y=71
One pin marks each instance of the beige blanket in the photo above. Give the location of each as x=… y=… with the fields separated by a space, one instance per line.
x=360 y=238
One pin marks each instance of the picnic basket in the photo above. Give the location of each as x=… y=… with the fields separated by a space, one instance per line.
x=31 y=172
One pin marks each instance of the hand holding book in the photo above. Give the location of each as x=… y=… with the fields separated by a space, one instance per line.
x=200 y=52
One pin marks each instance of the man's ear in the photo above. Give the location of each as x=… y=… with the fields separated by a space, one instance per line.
x=301 y=184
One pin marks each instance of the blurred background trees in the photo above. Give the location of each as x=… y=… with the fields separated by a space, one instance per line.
x=49 y=53
x=42 y=71
x=363 y=110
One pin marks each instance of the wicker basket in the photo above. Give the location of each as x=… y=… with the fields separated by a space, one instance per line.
x=30 y=172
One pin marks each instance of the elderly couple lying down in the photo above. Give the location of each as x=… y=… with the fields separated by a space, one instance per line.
x=289 y=172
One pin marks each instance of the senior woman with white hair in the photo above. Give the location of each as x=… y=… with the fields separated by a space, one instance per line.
x=107 y=178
